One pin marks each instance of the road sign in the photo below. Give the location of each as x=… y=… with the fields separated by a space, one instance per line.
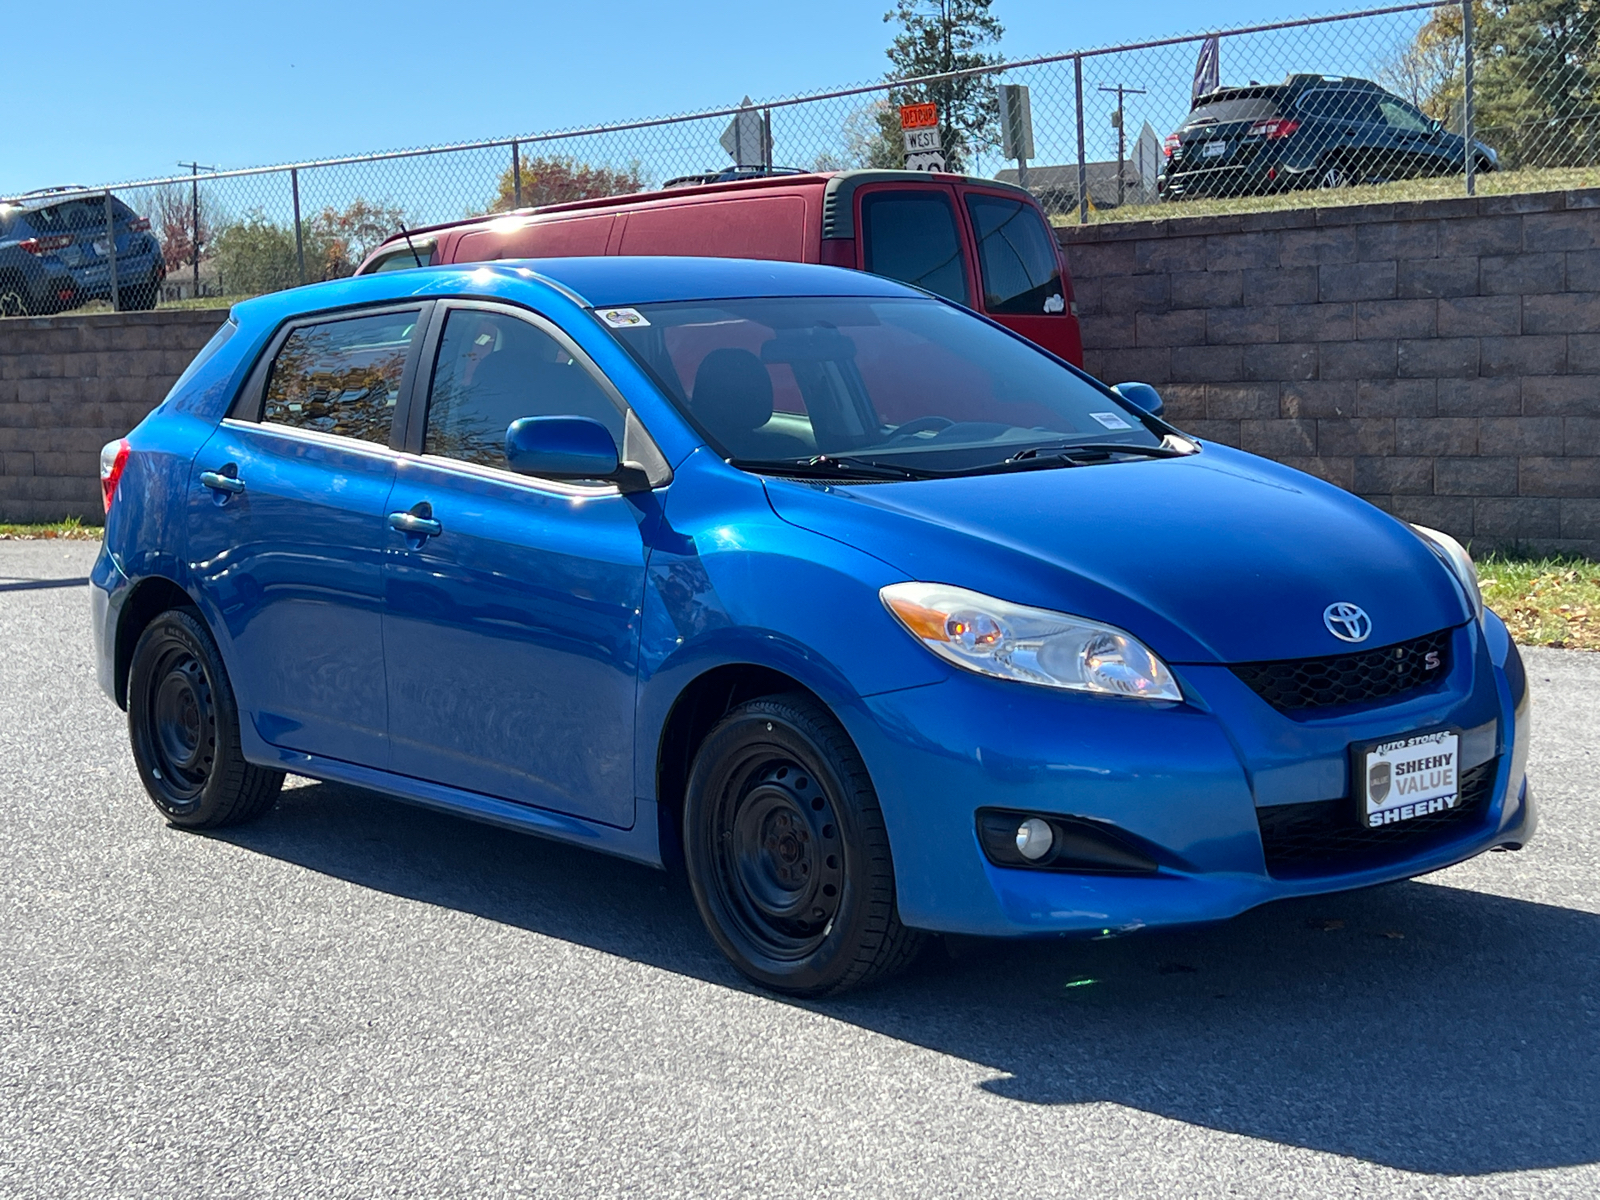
x=748 y=138
x=925 y=162
x=919 y=126
x=919 y=116
x=1016 y=121
x=922 y=141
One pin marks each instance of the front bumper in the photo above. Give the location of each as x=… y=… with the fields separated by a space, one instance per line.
x=1183 y=780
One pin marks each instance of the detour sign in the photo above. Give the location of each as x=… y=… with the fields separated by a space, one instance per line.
x=919 y=116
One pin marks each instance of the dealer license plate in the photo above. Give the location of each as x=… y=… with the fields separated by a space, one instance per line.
x=1400 y=780
x=1213 y=149
x=102 y=246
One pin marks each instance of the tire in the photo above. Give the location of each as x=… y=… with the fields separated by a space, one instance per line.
x=14 y=299
x=786 y=851
x=184 y=726
x=1332 y=175
x=141 y=297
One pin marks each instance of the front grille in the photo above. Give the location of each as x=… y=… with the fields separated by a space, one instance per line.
x=1361 y=678
x=1325 y=838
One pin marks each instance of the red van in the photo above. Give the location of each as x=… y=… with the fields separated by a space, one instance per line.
x=976 y=241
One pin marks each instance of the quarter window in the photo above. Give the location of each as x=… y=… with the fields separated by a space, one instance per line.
x=493 y=369
x=1016 y=256
x=341 y=377
x=911 y=236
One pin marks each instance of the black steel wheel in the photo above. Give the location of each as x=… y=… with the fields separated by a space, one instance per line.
x=787 y=854
x=139 y=297
x=184 y=728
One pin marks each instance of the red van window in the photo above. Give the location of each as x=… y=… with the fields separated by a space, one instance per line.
x=1016 y=257
x=911 y=235
x=546 y=239
x=769 y=227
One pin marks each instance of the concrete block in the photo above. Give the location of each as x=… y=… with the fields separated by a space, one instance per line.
x=1134 y=294
x=1099 y=260
x=1575 y=477
x=1087 y=292
x=1583 y=353
x=1236 y=251
x=1437 y=277
x=1338 y=471
x=1583 y=270
x=1363 y=436
x=1169 y=255
x=1277 y=438
x=1479 y=236
x=1206 y=289
x=1277 y=361
x=1238 y=401
x=1236 y=326
x=1396 y=240
x=1522 y=274
x=1186 y=327
x=1520 y=435
x=1317 y=322
x=1152 y=366
x=1224 y=433
x=1580 y=436
x=1185 y=402
x=1312 y=247
x=1280 y=285
x=1561 y=230
x=1580 y=518
x=1318 y=398
x=1437 y=357
x=1356 y=281
x=1525 y=355
x=1436 y=435
x=1396 y=398
x=1480 y=397
x=1106 y=332
x=1475 y=476
x=1560 y=395
x=1452 y=514
x=1397 y=318
x=1207 y=364
x=1392 y=475
x=1375 y=359
x=1516 y=518
x=1561 y=312
x=1480 y=316
x=16 y=462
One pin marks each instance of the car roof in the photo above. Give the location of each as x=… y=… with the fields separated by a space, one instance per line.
x=629 y=279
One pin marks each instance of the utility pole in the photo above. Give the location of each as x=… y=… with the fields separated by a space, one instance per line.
x=194 y=213
x=1122 y=134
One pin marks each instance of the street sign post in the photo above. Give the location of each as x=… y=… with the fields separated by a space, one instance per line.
x=919 y=127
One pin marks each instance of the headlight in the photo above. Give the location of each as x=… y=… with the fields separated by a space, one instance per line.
x=1454 y=555
x=1030 y=645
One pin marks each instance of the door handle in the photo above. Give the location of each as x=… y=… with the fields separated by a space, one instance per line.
x=416 y=524
x=218 y=482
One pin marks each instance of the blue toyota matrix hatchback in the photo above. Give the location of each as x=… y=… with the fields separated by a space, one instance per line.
x=875 y=616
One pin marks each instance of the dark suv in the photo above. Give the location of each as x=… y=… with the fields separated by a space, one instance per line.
x=1309 y=131
x=54 y=253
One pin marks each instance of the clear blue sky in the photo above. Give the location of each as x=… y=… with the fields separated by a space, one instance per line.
x=134 y=88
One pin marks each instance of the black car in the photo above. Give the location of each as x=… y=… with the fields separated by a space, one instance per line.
x=55 y=253
x=1309 y=131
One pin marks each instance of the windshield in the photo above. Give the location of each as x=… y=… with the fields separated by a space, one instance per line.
x=909 y=382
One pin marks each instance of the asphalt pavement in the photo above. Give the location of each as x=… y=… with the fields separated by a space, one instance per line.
x=356 y=998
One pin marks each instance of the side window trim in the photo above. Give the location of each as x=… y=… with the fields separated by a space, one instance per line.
x=247 y=405
x=421 y=391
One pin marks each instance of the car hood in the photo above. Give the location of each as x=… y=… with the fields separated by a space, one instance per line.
x=1214 y=557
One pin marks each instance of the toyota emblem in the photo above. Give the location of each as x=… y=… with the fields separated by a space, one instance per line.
x=1347 y=622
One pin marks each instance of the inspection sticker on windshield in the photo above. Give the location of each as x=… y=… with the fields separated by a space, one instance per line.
x=1409 y=777
x=622 y=318
x=1111 y=420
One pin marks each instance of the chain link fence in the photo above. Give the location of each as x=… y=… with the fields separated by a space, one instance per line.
x=1408 y=100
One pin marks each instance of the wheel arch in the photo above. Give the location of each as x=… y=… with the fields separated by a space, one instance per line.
x=148 y=599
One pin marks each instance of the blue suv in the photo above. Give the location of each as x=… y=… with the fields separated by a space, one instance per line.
x=875 y=616
x=54 y=253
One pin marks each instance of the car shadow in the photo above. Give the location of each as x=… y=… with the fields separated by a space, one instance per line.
x=1417 y=1026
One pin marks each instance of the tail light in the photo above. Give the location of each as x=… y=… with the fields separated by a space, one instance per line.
x=113 y=458
x=1272 y=130
x=1170 y=146
x=139 y=225
x=48 y=244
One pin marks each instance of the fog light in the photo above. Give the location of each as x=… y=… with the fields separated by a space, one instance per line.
x=1034 y=839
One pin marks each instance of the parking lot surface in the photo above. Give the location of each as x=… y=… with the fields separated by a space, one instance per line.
x=354 y=997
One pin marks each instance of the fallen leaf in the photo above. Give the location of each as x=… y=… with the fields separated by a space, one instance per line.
x=1325 y=923
x=1392 y=934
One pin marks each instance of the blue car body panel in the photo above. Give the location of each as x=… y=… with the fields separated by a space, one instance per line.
x=522 y=667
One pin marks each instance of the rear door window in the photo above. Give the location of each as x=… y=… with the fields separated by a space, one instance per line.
x=494 y=368
x=1338 y=104
x=912 y=236
x=1016 y=257
x=1240 y=108
x=418 y=254
x=342 y=377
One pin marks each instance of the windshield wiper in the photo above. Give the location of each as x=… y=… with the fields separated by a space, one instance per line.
x=831 y=466
x=1079 y=450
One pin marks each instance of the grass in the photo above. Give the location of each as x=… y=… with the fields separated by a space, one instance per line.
x=1545 y=601
x=70 y=530
x=217 y=302
x=1494 y=183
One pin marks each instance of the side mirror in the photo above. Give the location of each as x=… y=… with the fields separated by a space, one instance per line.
x=1141 y=395
x=561 y=448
